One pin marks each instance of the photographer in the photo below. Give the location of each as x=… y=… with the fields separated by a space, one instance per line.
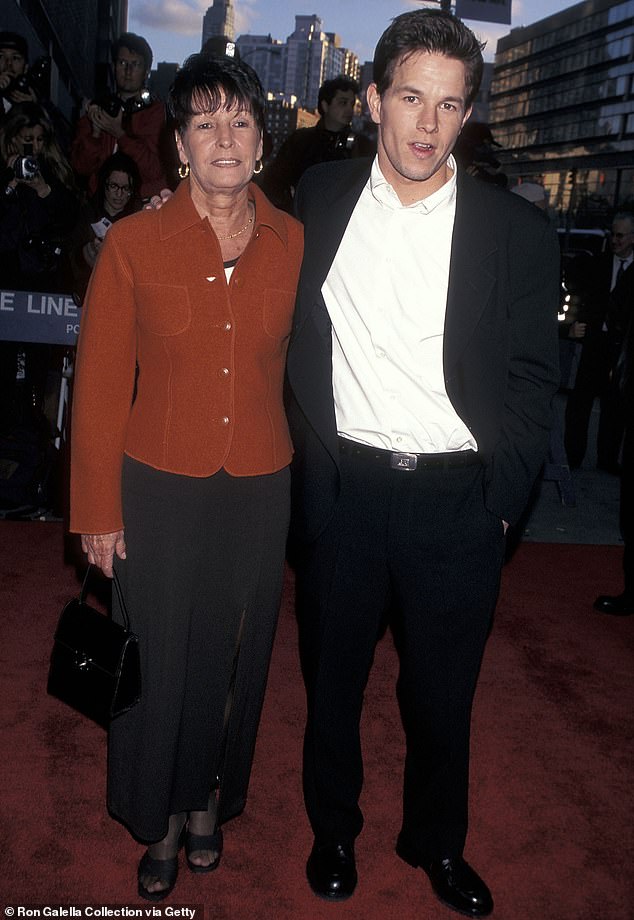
x=128 y=120
x=14 y=86
x=330 y=139
x=38 y=207
x=20 y=83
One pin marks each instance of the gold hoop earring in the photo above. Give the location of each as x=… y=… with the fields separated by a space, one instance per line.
x=183 y=170
x=258 y=169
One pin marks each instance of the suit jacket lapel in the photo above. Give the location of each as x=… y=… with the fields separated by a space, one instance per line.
x=324 y=231
x=471 y=273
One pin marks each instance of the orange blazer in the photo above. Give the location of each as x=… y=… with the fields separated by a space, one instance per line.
x=210 y=355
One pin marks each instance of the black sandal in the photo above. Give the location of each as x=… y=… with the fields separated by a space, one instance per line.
x=196 y=842
x=164 y=870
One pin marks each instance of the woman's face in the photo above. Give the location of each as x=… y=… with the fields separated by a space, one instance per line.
x=117 y=191
x=221 y=148
x=33 y=136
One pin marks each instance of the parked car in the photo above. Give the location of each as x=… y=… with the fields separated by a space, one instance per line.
x=593 y=241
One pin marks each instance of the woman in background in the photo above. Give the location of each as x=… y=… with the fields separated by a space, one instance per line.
x=117 y=196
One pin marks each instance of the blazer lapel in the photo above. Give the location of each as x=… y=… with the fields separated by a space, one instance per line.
x=472 y=271
x=323 y=231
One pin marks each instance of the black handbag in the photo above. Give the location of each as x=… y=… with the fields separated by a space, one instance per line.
x=95 y=665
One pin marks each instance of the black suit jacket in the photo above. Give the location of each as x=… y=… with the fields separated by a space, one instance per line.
x=500 y=344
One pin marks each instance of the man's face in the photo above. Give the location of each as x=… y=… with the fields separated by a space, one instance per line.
x=12 y=62
x=420 y=117
x=622 y=238
x=338 y=113
x=129 y=73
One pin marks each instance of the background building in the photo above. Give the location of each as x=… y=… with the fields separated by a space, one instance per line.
x=313 y=56
x=161 y=79
x=282 y=118
x=267 y=56
x=78 y=36
x=219 y=20
x=562 y=105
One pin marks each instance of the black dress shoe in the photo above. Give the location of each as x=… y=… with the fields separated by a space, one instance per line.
x=454 y=882
x=331 y=871
x=620 y=605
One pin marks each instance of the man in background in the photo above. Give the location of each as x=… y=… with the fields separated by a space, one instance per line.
x=128 y=120
x=601 y=346
x=330 y=139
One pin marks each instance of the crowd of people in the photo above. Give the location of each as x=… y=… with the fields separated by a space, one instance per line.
x=61 y=188
x=376 y=373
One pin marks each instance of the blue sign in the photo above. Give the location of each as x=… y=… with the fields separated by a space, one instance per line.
x=31 y=316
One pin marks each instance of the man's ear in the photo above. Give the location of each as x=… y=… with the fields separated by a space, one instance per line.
x=374 y=103
x=466 y=118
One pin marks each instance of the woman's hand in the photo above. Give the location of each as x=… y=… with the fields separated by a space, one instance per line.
x=101 y=547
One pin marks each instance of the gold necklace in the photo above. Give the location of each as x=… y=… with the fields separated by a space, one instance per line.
x=232 y=236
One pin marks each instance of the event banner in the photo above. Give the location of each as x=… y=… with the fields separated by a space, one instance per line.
x=485 y=10
x=29 y=316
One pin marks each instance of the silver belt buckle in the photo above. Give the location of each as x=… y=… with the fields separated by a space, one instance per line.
x=407 y=462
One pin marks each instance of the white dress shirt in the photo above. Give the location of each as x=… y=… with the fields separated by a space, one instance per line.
x=386 y=294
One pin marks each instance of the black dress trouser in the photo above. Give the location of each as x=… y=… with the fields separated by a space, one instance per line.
x=422 y=546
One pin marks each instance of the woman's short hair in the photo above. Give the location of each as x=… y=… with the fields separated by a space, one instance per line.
x=118 y=162
x=434 y=32
x=204 y=84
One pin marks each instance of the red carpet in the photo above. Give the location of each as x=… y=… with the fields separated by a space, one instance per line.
x=551 y=827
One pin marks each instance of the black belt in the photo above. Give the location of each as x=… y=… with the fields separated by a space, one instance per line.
x=401 y=460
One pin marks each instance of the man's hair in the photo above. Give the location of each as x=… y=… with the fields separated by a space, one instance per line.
x=134 y=43
x=329 y=88
x=625 y=215
x=434 y=32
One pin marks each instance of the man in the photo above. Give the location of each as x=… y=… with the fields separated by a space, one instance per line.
x=422 y=366
x=13 y=64
x=330 y=139
x=600 y=349
x=129 y=121
x=20 y=83
x=623 y=604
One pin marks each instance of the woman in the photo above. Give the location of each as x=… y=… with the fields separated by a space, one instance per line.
x=186 y=488
x=117 y=196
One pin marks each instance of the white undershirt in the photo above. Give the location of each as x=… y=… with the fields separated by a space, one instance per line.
x=386 y=294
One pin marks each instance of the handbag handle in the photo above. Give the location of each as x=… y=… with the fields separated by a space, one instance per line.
x=124 y=609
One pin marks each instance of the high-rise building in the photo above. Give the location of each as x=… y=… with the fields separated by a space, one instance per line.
x=562 y=105
x=305 y=61
x=267 y=56
x=219 y=20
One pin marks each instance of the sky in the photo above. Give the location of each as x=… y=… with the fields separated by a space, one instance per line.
x=174 y=27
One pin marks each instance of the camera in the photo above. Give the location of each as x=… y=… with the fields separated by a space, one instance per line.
x=345 y=141
x=36 y=78
x=111 y=104
x=26 y=168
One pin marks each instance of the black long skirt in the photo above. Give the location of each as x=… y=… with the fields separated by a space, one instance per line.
x=202 y=582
